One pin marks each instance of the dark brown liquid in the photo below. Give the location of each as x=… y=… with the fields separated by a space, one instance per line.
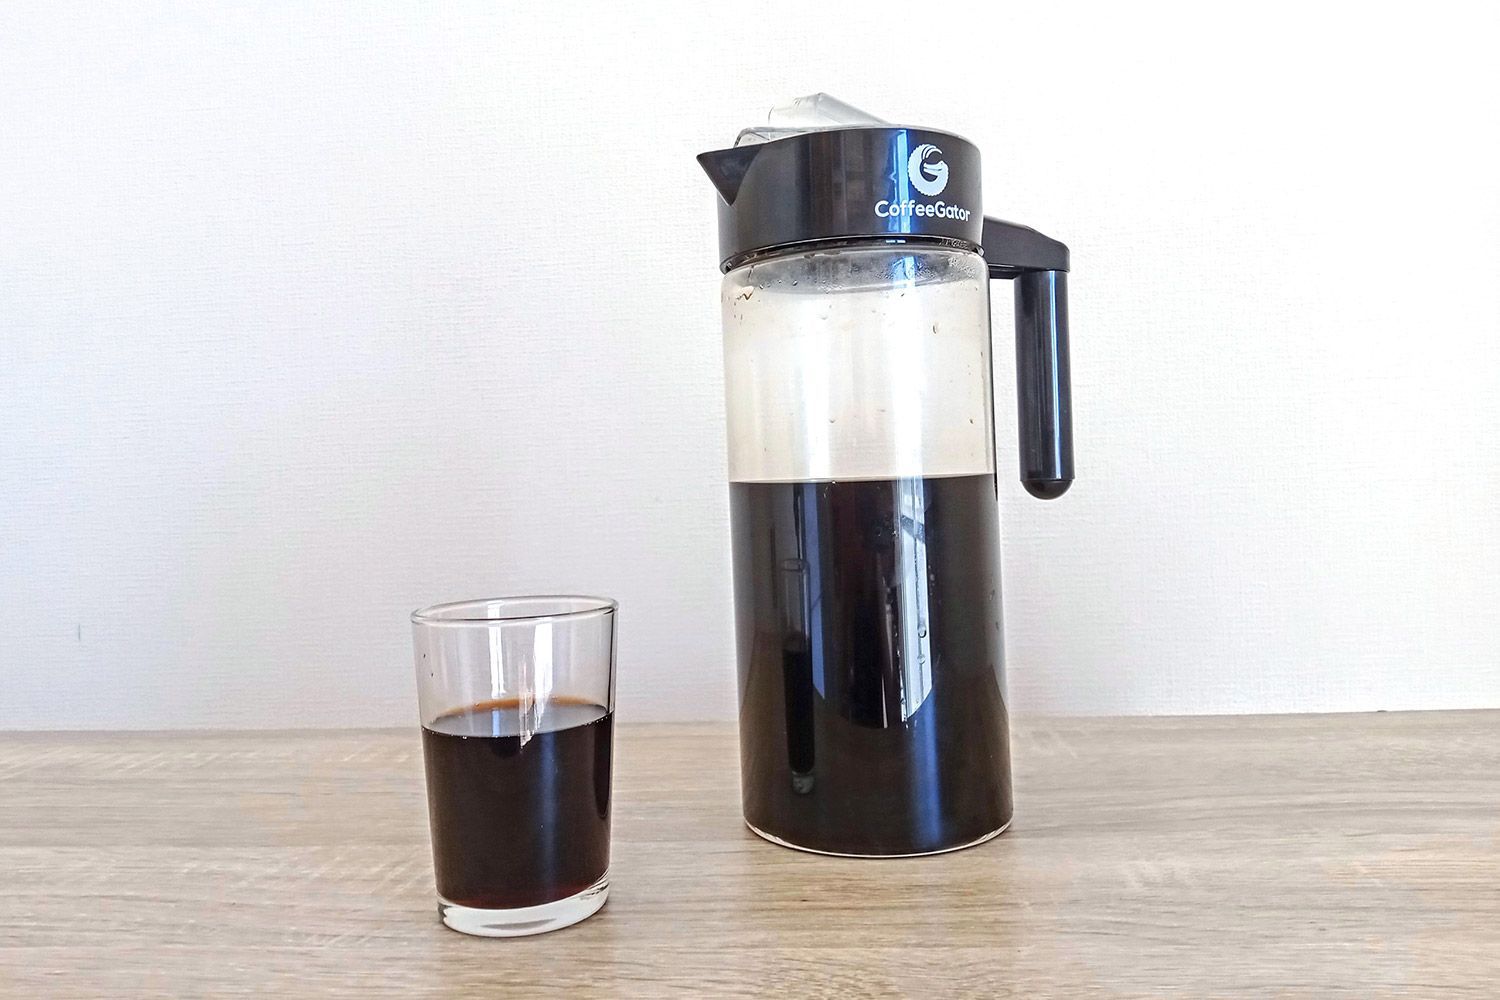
x=518 y=823
x=870 y=657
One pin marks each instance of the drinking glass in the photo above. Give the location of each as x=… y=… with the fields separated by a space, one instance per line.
x=517 y=698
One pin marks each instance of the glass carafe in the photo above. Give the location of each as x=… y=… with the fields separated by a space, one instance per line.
x=864 y=507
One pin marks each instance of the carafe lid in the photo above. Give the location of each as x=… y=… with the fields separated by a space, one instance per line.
x=821 y=170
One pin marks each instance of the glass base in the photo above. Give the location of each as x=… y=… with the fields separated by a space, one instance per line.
x=986 y=838
x=525 y=920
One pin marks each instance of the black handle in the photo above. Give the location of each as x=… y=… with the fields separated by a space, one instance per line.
x=1039 y=266
x=1043 y=391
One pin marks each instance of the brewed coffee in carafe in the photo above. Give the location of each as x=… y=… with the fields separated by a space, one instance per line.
x=864 y=505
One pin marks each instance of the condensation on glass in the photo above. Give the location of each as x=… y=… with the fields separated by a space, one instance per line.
x=859 y=363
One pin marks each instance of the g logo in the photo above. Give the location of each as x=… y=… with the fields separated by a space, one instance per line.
x=927 y=178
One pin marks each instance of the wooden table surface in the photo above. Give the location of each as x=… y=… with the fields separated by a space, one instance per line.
x=1316 y=856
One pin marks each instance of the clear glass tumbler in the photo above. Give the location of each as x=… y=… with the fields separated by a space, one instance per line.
x=517 y=698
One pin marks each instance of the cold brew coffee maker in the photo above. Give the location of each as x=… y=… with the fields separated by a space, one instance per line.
x=857 y=262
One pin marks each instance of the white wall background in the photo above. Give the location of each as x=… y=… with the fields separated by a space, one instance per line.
x=311 y=315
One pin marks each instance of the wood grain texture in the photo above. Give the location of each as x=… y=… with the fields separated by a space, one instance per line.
x=1307 y=856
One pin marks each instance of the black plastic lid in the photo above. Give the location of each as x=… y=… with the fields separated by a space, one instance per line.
x=845 y=183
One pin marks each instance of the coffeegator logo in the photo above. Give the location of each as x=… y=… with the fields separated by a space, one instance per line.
x=927 y=178
x=928 y=174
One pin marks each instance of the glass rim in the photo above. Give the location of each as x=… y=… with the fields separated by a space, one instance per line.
x=494 y=611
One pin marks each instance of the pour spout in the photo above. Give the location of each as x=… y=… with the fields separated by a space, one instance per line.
x=726 y=168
